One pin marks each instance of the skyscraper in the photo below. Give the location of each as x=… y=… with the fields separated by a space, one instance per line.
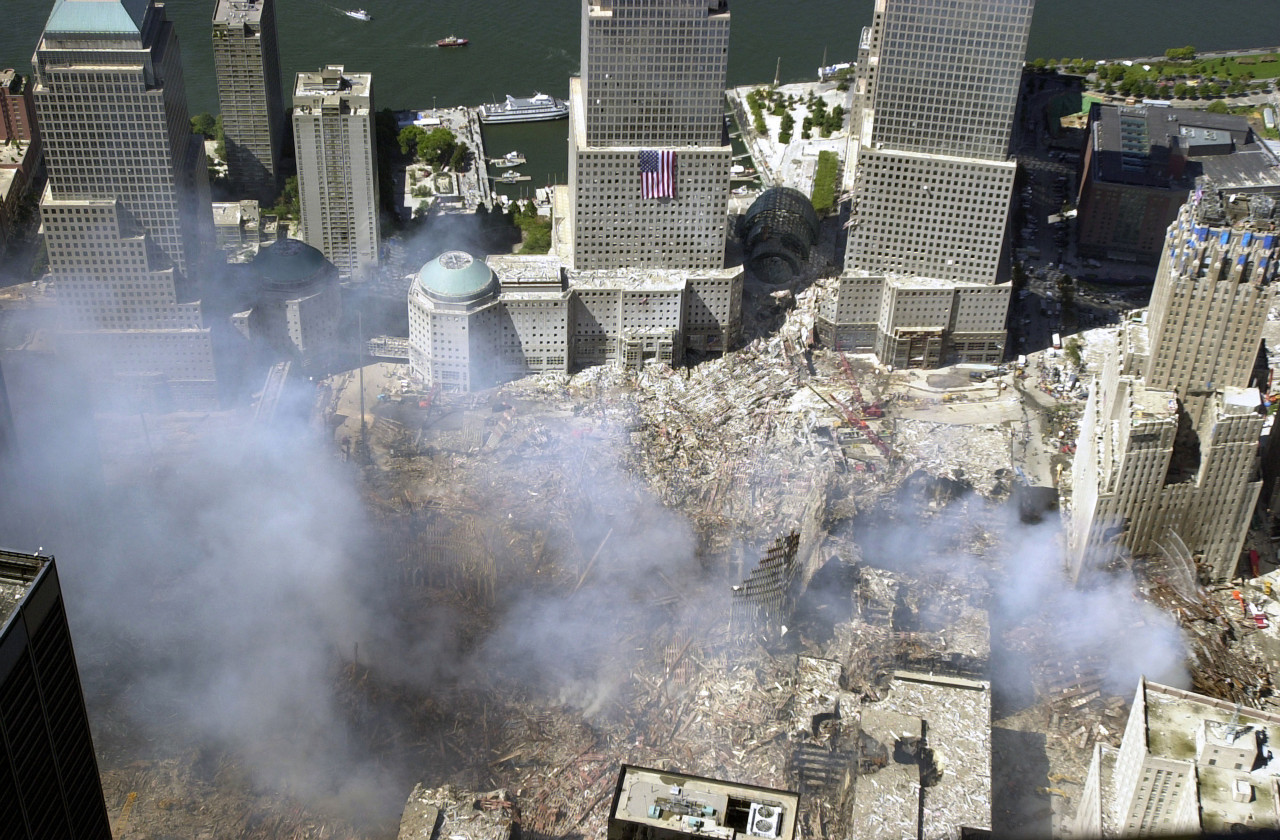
x=1187 y=765
x=649 y=159
x=1167 y=459
x=337 y=166
x=49 y=784
x=933 y=106
x=126 y=214
x=247 y=64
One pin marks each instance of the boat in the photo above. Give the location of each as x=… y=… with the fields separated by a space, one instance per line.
x=452 y=41
x=511 y=177
x=358 y=14
x=540 y=106
x=509 y=159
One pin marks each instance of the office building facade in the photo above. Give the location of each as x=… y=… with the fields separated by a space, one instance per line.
x=1141 y=160
x=333 y=136
x=653 y=81
x=126 y=212
x=1167 y=458
x=247 y=65
x=49 y=783
x=17 y=107
x=337 y=154
x=933 y=104
x=1187 y=765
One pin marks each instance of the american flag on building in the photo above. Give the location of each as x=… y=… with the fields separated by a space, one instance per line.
x=657 y=174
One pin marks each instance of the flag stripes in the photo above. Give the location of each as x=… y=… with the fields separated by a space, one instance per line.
x=657 y=173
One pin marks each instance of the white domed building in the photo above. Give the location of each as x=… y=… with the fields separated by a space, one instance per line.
x=453 y=304
x=474 y=323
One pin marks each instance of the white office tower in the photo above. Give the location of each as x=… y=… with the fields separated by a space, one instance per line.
x=247 y=65
x=649 y=158
x=126 y=213
x=333 y=137
x=1167 y=460
x=933 y=106
x=1188 y=765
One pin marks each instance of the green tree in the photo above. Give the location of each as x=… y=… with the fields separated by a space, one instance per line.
x=1187 y=53
x=1180 y=90
x=409 y=137
x=1039 y=65
x=1217 y=106
x=204 y=125
x=788 y=125
x=288 y=204
x=460 y=159
x=436 y=146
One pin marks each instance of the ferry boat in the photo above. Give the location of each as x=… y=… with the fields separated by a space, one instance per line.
x=540 y=106
x=358 y=14
x=452 y=41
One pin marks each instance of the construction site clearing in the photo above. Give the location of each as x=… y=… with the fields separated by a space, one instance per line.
x=827 y=628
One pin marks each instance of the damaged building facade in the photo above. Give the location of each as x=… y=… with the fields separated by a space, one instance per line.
x=477 y=323
x=1167 y=456
x=932 y=182
x=1188 y=764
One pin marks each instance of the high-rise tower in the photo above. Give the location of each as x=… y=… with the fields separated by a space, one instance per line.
x=649 y=159
x=126 y=214
x=1167 y=460
x=337 y=166
x=247 y=64
x=49 y=784
x=933 y=105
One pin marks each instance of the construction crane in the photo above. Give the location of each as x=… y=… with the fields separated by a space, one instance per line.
x=857 y=422
x=868 y=409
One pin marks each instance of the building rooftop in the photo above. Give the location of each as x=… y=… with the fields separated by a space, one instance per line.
x=1173 y=718
x=17 y=573
x=331 y=86
x=647 y=802
x=1170 y=147
x=640 y=279
x=238 y=11
x=100 y=17
x=1151 y=404
x=289 y=264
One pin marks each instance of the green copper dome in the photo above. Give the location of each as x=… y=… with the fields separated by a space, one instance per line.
x=99 y=17
x=457 y=277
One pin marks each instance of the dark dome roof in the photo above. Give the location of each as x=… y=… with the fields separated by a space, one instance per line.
x=457 y=277
x=289 y=265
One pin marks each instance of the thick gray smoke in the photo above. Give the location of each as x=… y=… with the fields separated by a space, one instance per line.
x=1032 y=604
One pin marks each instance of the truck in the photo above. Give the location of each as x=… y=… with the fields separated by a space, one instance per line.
x=1057 y=342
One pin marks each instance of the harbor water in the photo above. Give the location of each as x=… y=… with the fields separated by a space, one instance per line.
x=522 y=46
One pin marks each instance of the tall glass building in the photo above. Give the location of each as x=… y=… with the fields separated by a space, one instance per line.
x=933 y=106
x=126 y=213
x=247 y=64
x=653 y=80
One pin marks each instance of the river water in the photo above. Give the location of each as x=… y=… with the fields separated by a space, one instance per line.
x=522 y=46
